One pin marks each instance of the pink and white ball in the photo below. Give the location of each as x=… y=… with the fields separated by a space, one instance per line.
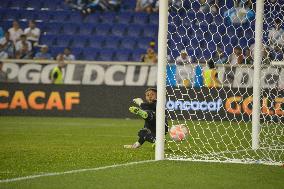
x=179 y=132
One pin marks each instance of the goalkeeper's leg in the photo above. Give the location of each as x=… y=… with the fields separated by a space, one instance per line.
x=144 y=135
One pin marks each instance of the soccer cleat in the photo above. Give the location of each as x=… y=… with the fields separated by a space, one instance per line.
x=139 y=112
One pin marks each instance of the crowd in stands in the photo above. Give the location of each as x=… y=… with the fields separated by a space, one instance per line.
x=25 y=43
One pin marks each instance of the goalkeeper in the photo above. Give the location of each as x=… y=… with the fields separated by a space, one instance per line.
x=147 y=111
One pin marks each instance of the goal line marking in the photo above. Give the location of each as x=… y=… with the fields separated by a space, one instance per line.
x=73 y=171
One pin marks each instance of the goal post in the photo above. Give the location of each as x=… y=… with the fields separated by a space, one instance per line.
x=256 y=74
x=161 y=79
x=234 y=111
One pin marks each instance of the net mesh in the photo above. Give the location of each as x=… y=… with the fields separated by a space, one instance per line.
x=210 y=80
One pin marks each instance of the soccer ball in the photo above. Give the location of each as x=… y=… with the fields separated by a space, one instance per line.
x=179 y=132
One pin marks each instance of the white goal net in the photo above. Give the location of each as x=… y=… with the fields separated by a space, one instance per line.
x=210 y=80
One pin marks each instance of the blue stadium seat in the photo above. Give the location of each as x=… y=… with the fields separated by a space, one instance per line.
x=228 y=49
x=136 y=54
x=108 y=17
x=48 y=40
x=70 y=28
x=249 y=33
x=34 y=4
x=200 y=16
x=231 y=31
x=225 y=39
x=75 y=17
x=171 y=44
x=106 y=55
x=144 y=42
x=77 y=51
x=79 y=41
x=212 y=28
x=86 y=29
x=150 y=31
x=172 y=28
x=211 y=46
x=124 y=17
x=103 y=29
x=112 y=42
x=194 y=43
x=5 y=24
x=28 y=15
x=234 y=41
x=128 y=43
x=122 y=55
x=96 y=42
x=59 y=16
x=198 y=53
x=56 y=50
x=134 y=30
x=195 y=6
x=199 y=34
x=50 y=5
x=118 y=30
x=53 y=28
x=128 y=5
x=18 y=4
x=140 y=18
x=222 y=29
x=12 y=15
x=43 y=16
x=64 y=40
x=207 y=54
x=154 y=19
x=219 y=20
x=209 y=18
x=90 y=53
x=243 y=42
x=93 y=18
x=4 y=4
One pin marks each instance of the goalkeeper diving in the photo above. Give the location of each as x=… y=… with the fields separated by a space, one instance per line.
x=147 y=111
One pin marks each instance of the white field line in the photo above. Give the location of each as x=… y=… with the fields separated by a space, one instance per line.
x=73 y=171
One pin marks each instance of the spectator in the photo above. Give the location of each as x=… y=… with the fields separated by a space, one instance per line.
x=240 y=14
x=268 y=53
x=183 y=58
x=43 y=54
x=211 y=76
x=32 y=33
x=67 y=54
x=207 y=6
x=247 y=56
x=23 y=48
x=75 y=4
x=150 y=56
x=57 y=72
x=3 y=75
x=144 y=6
x=219 y=56
x=15 y=32
x=101 y=5
x=236 y=57
x=7 y=48
x=276 y=35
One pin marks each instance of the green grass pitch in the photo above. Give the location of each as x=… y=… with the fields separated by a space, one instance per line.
x=33 y=146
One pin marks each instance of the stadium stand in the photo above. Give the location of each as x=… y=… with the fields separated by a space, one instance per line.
x=109 y=33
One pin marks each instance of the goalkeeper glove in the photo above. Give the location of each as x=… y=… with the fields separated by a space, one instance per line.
x=138 y=101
